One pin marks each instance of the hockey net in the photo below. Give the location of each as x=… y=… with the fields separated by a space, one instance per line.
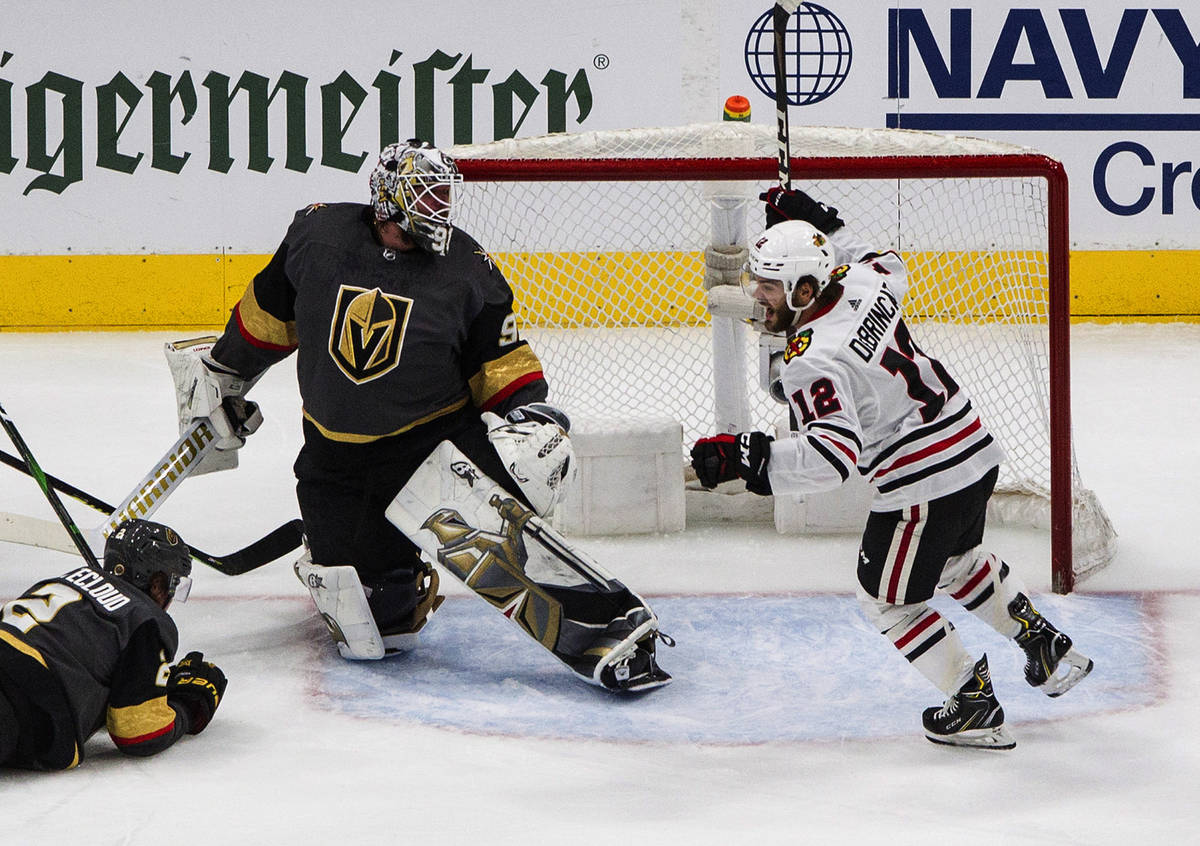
x=608 y=238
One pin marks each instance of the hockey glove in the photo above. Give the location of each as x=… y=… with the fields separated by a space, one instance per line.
x=216 y=393
x=538 y=456
x=796 y=205
x=540 y=412
x=195 y=686
x=205 y=388
x=723 y=458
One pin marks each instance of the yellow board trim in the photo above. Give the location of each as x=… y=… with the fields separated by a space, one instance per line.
x=98 y=292
x=663 y=288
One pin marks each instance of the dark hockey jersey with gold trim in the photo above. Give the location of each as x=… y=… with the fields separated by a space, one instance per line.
x=81 y=651
x=387 y=340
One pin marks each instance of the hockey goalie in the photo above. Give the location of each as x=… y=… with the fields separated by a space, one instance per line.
x=425 y=428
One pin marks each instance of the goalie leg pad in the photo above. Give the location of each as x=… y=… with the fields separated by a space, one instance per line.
x=509 y=557
x=339 y=597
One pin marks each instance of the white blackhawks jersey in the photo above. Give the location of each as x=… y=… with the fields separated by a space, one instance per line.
x=868 y=400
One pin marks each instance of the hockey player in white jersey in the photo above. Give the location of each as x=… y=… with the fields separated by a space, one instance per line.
x=868 y=400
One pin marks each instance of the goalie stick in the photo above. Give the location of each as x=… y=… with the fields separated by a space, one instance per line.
x=43 y=533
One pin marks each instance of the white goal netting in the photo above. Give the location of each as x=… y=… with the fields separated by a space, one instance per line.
x=603 y=236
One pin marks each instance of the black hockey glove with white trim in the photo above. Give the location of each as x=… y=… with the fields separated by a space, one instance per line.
x=796 y=205
x=723 y=458
x=195 y=686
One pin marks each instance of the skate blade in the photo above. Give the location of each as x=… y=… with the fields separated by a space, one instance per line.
x=1077 y=666
x=642 y=684
x=645 y=684
x=990 y=738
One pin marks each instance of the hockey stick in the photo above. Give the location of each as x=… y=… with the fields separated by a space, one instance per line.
x=168 y=473
x=59 y=509
x=48 y=534
x=784 y=9
x=58 y=484
x=263 y=551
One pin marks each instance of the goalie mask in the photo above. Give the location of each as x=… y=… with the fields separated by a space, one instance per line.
x=414 y=184
x=139 y=549
x=787 y=253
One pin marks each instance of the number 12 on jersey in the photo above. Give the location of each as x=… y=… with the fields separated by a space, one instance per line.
x=926 y=381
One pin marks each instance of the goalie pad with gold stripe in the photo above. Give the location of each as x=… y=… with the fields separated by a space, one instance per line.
x=500 y=549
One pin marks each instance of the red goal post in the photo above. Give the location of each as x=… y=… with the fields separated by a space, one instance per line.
x=608 y=240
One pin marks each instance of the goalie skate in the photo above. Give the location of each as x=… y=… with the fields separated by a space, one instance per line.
x=342 y=603
x=508 y=556
x=624 y=655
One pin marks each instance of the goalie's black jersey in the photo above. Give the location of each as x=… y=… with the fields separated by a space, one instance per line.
x=80 y=651
x=388 y=340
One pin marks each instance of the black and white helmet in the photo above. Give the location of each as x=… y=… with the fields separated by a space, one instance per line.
x=138 y=549
x=414 y=185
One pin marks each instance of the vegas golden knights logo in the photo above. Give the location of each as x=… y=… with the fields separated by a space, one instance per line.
x=493 y=565
x=367 y=332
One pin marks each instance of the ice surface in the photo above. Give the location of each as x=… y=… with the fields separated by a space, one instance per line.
x=789 y=721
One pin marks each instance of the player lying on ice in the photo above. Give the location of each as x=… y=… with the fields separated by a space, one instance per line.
x=92 y=648
x=425 y=428
x=868 y=400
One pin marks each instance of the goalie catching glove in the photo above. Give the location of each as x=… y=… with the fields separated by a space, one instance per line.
x=532 y=442
x=785 y=204
x=195 y=687
x=723 y=458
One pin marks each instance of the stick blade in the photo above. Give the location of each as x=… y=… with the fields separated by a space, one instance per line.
x=276 y=544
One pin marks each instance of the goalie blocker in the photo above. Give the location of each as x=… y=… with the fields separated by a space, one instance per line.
x=505 y=553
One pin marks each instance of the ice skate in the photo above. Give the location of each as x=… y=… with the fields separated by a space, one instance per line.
x=1052 y=664
x=623 y=658
x=971 y=717
x=403 y=636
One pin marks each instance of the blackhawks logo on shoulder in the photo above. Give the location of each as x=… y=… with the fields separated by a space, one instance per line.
x=367 y=332
x=796 y=345
x=839 y=273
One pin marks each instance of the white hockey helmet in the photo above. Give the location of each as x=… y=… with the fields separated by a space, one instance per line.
x=414 y=184
x=788 y=252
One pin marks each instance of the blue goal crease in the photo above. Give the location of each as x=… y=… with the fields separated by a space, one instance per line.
x=748 y=670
